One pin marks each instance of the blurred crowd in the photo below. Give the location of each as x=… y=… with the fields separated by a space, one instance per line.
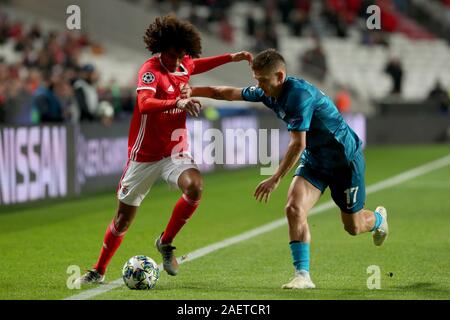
x=48 y=83
x=45 y=82
x=301 y=17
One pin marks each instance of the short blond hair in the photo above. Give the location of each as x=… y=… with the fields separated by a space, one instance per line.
x=269 y=59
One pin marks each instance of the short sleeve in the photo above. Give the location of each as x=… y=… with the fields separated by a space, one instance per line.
x=301 y=104
x=253 y=94
x=147 y=78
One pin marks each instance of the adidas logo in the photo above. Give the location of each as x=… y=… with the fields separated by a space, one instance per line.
x=170 y=89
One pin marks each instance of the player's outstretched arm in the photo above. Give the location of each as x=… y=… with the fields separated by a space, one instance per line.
x=241 y=56
x=218 y=93
x=148 y=104
x=205 y=64
x=214 y=92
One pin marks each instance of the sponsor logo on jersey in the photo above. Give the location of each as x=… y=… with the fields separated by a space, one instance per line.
x=170 y=89
x=173 y=111
x=295 y=121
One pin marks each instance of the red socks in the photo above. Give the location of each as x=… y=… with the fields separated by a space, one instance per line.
x=111 y=243
x=183 y=210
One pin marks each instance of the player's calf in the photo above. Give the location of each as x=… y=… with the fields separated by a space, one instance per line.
x=367 y=221
x=359 y=222
x=352 y=229
x=353 y=223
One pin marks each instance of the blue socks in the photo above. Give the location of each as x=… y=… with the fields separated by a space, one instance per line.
x=300 y=255
x=378 y=220
x=300 y=250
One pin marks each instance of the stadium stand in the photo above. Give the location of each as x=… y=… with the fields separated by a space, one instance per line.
x=326 y=42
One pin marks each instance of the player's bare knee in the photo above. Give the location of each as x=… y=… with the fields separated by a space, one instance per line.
x=291 y=211
x=122 y=222
x=194 y=189
x=294 y=212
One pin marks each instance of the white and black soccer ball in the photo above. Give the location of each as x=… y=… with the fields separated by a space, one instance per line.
x=140 y=273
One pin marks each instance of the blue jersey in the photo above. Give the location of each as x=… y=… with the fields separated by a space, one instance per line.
x=330 y=142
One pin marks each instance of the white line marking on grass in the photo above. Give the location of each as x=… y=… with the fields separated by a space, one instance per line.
x=395 y=180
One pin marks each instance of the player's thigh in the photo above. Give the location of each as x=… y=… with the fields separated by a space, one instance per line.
x=302 y=196
x=309 y=172
x=181 y=171
x=137 y=180
x=348 y=188
x=307 y=186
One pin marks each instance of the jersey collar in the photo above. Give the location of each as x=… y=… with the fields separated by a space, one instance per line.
x=176 y=73
x=284 y=88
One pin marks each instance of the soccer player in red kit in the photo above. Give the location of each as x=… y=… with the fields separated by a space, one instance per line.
x=160 y=113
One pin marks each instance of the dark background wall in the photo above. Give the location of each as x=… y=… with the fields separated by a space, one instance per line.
x=408 y=129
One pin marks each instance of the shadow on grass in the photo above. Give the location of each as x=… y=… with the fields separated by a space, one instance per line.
x=210 y=291
x=220 y=291
x=423 y=287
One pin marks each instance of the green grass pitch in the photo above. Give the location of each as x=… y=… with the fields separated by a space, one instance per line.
x=39 y=242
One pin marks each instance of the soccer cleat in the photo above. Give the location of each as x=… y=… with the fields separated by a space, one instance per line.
x=301 y=280
x=90 y=277
x=380 y=234
x=170 y=262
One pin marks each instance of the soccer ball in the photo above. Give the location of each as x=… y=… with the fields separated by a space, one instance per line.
x=140 y=273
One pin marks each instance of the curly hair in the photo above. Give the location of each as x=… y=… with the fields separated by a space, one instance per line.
x=170 y=32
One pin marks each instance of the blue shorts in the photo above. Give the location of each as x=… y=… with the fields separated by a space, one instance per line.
x=347 y=184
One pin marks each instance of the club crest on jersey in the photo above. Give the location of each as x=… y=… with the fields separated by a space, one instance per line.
x=296 y=121
x=124 y=190
x=148 y=77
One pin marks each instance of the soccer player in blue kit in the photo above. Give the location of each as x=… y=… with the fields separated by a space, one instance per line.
x=330 y=156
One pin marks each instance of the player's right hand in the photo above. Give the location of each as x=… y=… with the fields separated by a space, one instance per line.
x=192 y=106
x=265 y=188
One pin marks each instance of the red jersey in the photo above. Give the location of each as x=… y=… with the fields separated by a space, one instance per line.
x=150 y=137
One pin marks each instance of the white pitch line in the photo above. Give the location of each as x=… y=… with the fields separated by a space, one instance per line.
x=390 y=182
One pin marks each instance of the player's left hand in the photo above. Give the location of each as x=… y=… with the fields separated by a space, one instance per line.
x=264 y=189
x=190 y=105
x=242 y=55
